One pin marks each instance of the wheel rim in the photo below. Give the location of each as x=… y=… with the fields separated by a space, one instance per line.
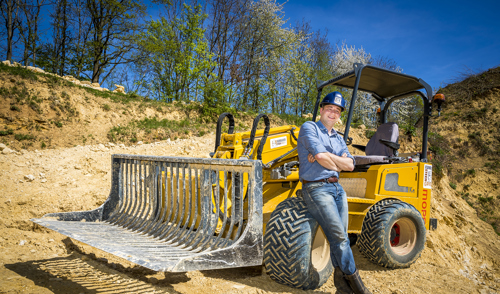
x=403 y=236
x=320 y=251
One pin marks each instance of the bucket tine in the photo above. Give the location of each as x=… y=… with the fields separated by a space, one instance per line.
x=174 y=214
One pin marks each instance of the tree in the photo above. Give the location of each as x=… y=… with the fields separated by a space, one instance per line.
x=29 y=29
x=113 y=27
x=10 y=14
x=267 y=41
x=79 y=53
x=61 y=35
x=177 y=58
x=225 y=34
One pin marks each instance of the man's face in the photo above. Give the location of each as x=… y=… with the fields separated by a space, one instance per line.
x=330 y=113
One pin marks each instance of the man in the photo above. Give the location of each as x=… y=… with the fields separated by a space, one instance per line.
x=322 y=155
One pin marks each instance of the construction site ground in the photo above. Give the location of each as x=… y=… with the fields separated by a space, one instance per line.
x=461 y=256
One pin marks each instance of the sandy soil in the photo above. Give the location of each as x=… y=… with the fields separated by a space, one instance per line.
x=461 y=256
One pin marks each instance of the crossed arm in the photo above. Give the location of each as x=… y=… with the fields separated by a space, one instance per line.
x=332 y=162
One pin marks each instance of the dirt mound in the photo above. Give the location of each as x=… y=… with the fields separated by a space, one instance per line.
x=466 y=140
x=461 y=256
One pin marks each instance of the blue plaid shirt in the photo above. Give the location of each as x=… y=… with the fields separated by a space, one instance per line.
x=314 y=139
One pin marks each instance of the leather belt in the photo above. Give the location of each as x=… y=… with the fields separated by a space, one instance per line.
x=328 y=180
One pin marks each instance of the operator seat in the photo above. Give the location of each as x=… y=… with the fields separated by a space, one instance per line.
x=384 y=143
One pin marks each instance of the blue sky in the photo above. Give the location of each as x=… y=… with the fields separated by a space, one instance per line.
x=432 y=40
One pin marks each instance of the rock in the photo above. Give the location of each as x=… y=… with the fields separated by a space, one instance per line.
x=85 y=82
x=22 y=242
x=7 y=150
x=29 y=178
x=96 y=85
x=42 y=175
x=153 y=280
x=362 y=127
x=139 y=143
x=2 y=146
x=119 y=89
x=454 y=204
x=6 y=62
x=44 y=181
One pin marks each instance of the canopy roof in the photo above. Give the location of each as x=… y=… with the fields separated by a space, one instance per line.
x=381 y=82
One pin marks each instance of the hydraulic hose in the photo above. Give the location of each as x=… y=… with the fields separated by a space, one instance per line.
x=219 y=128
x=249 y=146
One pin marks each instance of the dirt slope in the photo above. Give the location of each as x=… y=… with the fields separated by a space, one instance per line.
x=461 y=256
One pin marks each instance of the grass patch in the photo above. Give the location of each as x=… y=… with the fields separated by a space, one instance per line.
x=477 y=141
x=369 y=133
x=453 y=186
x=6 y=132
x=20 y=72
x=484 y=200
x=151 y=129
x=22 y=137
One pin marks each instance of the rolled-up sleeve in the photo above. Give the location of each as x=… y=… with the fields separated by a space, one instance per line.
x=308 y=137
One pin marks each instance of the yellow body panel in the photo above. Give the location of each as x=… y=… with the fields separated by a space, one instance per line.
x=403 y=181
x=408 y=182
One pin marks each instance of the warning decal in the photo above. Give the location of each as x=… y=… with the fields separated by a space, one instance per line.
x=278 y=142
x=428 y=176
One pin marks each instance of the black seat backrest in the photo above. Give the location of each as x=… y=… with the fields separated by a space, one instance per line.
x=388 y=131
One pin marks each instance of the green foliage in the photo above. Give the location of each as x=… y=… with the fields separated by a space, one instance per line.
x=475 y=114
x=14 y=108
x=22 y=137
x=438 y=144
x=106 y=107
x=6 y=132
x=179 y=62
x=292 y=119
x=153 y=129
x=453 y=186
x=43 y=145
x=485 y=200
x=477 y=141
x=58 y=124
x=471 y=172
x=409 y=129
x=437 y=168
x=20 y=72
x=369 y=133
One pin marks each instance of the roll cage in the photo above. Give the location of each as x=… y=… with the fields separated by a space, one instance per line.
x=386 y=86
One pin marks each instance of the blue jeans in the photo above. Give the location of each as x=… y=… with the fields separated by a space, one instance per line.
x=327 y=203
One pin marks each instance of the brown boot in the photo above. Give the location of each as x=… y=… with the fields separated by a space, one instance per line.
x=340 y=282
x=357 y=285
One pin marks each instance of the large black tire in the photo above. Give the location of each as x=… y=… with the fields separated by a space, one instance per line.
x=393 y=234
x=296 y=252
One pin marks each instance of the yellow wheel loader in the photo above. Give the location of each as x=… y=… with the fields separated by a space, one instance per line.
x=243 y=206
